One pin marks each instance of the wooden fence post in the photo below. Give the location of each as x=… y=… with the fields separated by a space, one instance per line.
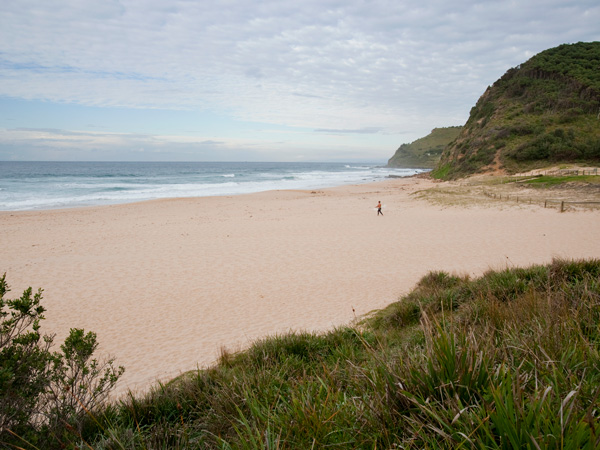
x=562 y=206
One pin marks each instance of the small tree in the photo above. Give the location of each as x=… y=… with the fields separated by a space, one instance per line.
x=39 y=389
x=24 y=359
x=79 y=383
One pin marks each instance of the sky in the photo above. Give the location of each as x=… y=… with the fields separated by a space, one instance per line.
x=257 y=80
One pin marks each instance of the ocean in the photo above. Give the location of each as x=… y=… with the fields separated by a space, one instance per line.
x=51 y=185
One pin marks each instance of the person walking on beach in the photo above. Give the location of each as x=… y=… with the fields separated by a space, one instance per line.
x=379 y=208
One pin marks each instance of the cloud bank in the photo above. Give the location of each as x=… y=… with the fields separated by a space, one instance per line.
x=376 y=67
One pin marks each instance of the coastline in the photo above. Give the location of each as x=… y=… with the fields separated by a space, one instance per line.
x=166 y=284
x=36 y=186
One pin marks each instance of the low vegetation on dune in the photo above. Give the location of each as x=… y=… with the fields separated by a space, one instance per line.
x=507 y=360
x=551 y=188
x=549 y=181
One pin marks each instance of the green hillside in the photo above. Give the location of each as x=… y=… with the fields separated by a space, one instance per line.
x=424 y=153
x=542 y=112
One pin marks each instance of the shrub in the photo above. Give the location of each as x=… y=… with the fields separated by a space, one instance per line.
x=24 y=359
x=79 y=383
x=45 y=394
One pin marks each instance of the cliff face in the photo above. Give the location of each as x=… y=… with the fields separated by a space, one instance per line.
x=544 y=111
x=424 y=153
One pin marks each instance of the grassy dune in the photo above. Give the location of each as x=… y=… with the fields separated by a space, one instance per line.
x=508 y=360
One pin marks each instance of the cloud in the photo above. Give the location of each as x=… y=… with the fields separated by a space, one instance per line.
x=51 y=144
x=328 y=65
x=83 y=142
x=368 y=130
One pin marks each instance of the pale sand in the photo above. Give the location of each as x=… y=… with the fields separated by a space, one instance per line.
x=165 y=284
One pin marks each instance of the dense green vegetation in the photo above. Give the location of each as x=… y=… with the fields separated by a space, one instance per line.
x=544 y=111
x=45 y=396
x=507 y=360
x=424 y=153
x=551 y=181
x=441 y=171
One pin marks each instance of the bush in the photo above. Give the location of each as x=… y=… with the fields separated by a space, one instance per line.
x=45 y=394
x=24 y=359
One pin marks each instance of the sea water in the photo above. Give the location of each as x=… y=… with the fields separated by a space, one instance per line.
x=49 y=185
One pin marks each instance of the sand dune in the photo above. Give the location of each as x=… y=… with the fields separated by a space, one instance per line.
x=165 y=284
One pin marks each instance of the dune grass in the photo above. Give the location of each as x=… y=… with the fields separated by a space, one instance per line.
x=547 y=181
x=507 y=360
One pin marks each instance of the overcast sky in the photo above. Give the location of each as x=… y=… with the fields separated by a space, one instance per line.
x=253 y=80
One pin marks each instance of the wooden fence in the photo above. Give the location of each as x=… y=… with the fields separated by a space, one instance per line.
x=547 y=202
x=576 y=172
x=552 y=173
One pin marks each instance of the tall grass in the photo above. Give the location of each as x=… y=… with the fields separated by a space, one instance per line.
x=508 y=360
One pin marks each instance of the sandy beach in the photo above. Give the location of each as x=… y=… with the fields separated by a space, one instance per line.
x=166 y=284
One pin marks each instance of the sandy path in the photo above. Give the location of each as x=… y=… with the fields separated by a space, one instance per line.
x=166 y=283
